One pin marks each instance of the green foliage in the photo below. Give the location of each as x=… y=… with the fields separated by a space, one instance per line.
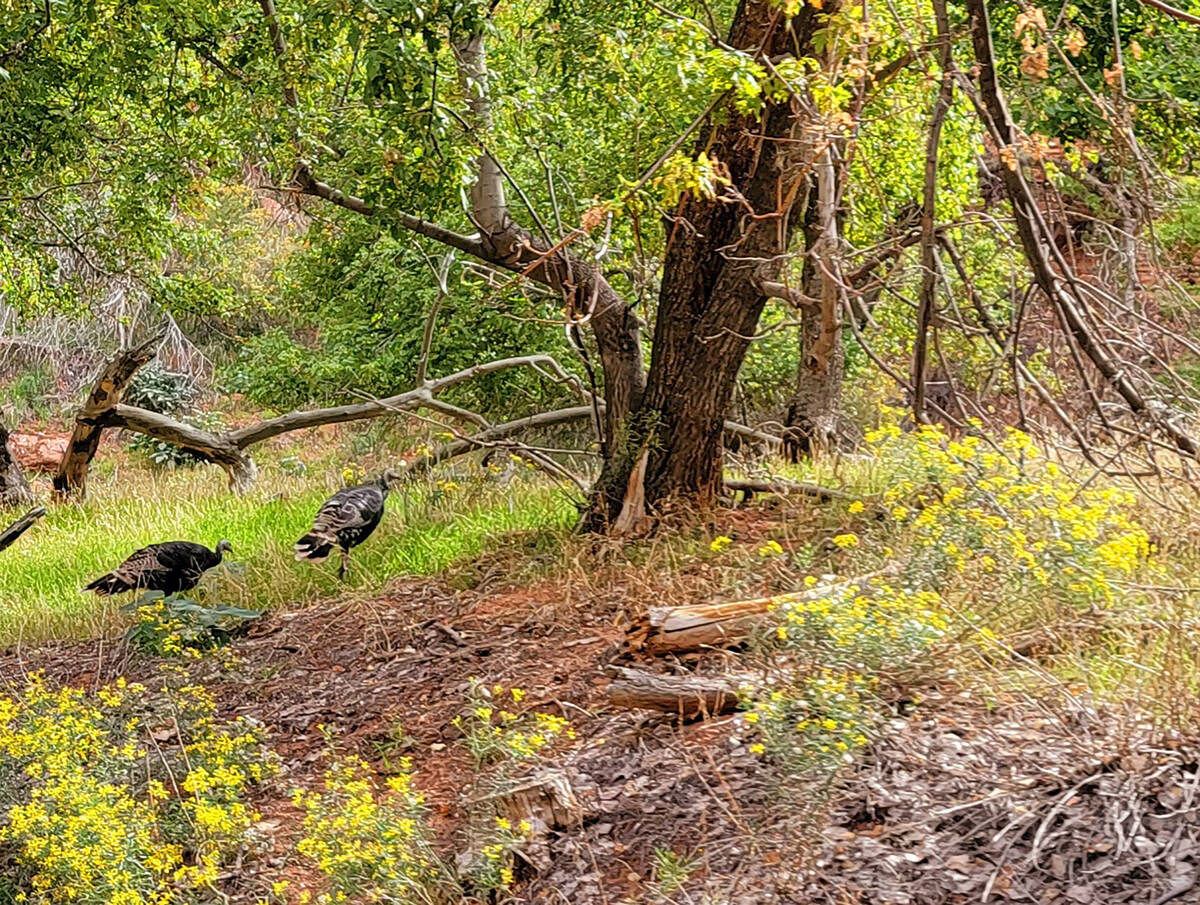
x=175 y=626
x=365 y=334
x=159 y=390
x=1179 y=232
x=26 y=394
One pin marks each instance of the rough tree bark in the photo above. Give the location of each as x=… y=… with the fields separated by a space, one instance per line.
x=14 y=489
x=928 y=299
x=687 y=697
x=815 y=405
x=720 y=252
x=85 y=437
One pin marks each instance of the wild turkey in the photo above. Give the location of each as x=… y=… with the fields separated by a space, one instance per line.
x=346 y=520
x=169 y=567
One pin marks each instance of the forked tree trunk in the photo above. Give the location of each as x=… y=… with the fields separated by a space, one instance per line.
x=85 y=436
x=720 y=252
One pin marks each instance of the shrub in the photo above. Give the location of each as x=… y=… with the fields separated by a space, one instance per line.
x=371 y=847
x=159 y=390
x=86 y=816
x=173 y=626
x=497 y=735
x=1002 y=517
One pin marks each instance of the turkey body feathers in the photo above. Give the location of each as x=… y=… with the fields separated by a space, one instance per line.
x=169 y=567
x=345 y=520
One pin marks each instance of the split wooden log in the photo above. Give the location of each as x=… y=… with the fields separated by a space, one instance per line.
x=721 y=625
x=9 y=535
x=687 y=696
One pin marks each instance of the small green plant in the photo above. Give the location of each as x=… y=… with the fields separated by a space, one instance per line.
x=293 y=466
x=174 y=626
x=671 y=872
x=496 y=735
x=816 y=722
x=26 y=394
x=159 y=390
x=371 y=845
x=490 y=871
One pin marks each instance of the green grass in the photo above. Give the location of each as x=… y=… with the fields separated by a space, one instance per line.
x=425 y=530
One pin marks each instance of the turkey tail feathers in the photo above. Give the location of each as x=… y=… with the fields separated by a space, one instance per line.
x=107 y=585
x=312 y=546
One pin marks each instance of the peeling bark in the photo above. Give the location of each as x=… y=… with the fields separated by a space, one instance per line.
x=85 y=437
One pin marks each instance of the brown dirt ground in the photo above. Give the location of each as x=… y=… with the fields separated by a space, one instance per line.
x=356 y=671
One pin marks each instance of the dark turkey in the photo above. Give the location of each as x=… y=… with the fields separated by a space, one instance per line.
x=170 y=567
x=346 y=520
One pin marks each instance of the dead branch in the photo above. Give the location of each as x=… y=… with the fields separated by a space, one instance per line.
x=824 y=494
x=687 y=628
x=20 y=526
x=1054 y=276
x=85 y=437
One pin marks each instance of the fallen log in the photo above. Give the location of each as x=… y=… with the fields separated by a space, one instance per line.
x=694 y=627
x=687 y=696
x=9 y=535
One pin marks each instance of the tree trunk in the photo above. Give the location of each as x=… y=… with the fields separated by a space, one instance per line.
x=813 y=411
x=14 y=489
x=720 y=252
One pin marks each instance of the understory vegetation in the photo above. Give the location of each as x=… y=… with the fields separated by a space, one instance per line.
x=748 y=452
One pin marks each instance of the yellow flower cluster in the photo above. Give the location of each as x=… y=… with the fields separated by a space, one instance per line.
x=157 y=630
x=371 y=847
x=976 y=508
x=495 y=734
x=870 y=627
x=818 y=723
x=81 y=807
x=491 y=870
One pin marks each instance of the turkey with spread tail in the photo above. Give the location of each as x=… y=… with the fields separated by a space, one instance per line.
x=169 y=567
x=346 y=520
